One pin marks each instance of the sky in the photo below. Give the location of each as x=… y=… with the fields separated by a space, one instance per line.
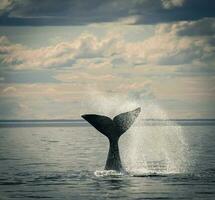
x=57 y=58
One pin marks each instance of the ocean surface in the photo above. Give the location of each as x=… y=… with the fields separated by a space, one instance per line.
x=165 y=161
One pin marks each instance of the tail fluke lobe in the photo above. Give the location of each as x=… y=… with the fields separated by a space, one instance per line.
x=103 y=124
x=113 y=129
x=124 y=121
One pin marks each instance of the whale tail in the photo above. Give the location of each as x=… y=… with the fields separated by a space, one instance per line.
x=113 y=129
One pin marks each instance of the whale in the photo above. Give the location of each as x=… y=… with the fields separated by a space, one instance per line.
x=113 y=129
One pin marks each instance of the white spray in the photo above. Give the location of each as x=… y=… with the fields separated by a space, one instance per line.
x=145 y=149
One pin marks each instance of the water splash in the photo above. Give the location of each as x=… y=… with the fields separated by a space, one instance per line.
x=146 y=149
x=104 y=173
x=154 y=149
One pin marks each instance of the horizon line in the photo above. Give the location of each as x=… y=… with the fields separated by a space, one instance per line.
x=69 y=120
x=83 y=123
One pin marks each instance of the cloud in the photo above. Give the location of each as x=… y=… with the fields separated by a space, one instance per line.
x=203 y=27
x=194 y=41
x=169 y=47
x=5 y=4
x=80 y=12
x=180 y=43
x=169 y=4
x=83 y=76
x=193 y=96
x=87 y=46
x=9 y=90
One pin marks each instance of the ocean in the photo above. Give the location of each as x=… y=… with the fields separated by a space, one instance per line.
x=59 y=161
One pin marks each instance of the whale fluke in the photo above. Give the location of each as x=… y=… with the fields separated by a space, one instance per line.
x=113 y=129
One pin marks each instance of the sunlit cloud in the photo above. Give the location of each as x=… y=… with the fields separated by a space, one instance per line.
x=171 y=44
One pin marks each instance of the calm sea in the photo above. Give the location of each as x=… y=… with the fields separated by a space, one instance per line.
x=66 y=162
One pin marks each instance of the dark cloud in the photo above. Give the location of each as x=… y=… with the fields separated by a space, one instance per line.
x=191 y=10
x=67 y=12
x=204 y=27
x=80 y=12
